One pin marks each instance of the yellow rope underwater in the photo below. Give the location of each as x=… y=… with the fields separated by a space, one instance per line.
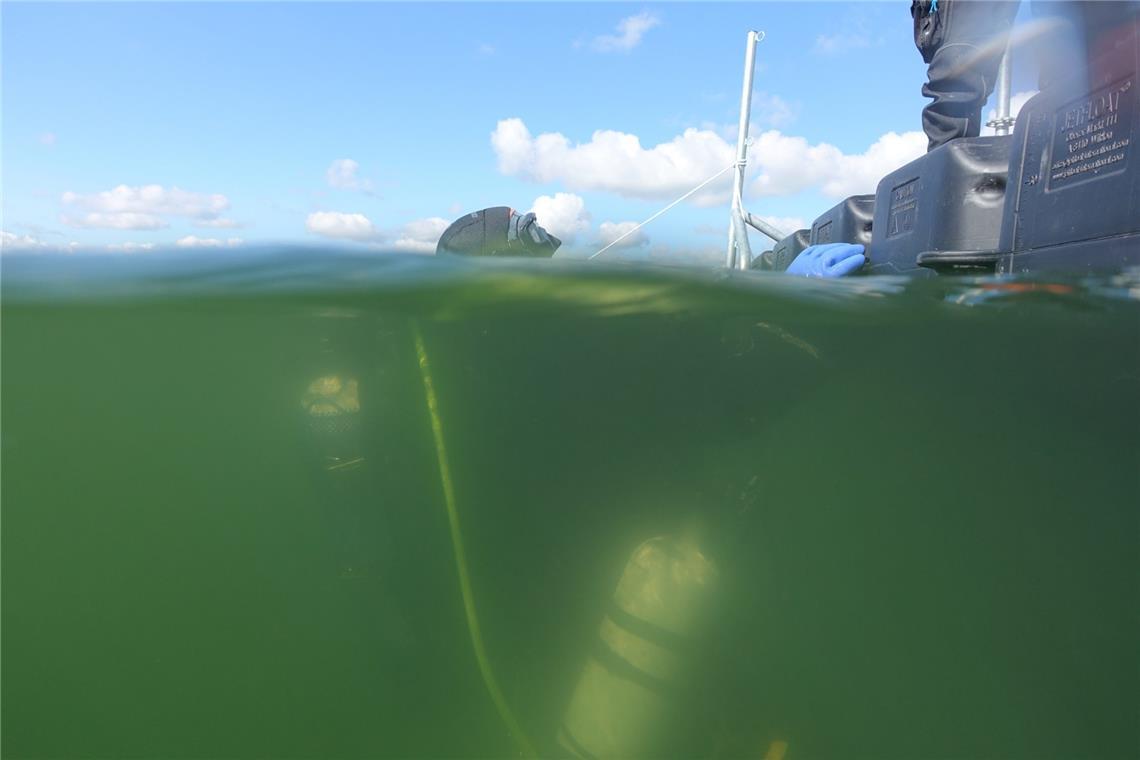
x=461 y=556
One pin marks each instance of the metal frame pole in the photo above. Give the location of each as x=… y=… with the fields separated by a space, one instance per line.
x=760 y=225
x=732 y=259
x=1002 y=122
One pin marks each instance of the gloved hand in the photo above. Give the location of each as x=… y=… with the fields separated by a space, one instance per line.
x=828 y=260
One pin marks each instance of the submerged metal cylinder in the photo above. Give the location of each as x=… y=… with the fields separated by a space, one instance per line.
x=630 y=698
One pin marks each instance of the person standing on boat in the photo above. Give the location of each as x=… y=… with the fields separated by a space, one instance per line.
x=963 y=41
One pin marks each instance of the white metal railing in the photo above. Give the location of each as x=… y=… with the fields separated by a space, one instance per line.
x=739 y=254
x=1002 y=122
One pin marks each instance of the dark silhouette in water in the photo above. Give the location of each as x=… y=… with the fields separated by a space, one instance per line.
x=497 y=231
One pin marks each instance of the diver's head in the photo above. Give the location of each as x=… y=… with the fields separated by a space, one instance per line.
x=497 y=231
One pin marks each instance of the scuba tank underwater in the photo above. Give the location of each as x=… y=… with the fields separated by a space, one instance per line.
x=636 y=692
x=643 y=681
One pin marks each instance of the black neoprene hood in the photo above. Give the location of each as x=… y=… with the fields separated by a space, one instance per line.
x=497 y=231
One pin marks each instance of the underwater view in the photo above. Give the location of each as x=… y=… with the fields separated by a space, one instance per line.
x=348 y=506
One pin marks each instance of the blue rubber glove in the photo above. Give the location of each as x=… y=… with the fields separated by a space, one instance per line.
x=828 y=260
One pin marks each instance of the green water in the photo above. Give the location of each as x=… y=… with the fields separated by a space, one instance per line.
x=922 y=500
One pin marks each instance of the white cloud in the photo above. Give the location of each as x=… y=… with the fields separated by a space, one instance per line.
x=629 y=33
x=9 y=241
x=563 y=215
x=419 y=236
x=12 y=243
x=222 y=224
x=130 y=247
x=144 y=207
x=336 y=224
x=1016 y=102
x=612 y=161
x=122 y=220
x=616 y=162
x=193 y=241
x=341 y=174
x=787 y=165
x=611 y=231
x=47 y=138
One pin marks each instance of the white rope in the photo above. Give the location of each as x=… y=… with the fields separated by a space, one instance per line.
x=662 y=211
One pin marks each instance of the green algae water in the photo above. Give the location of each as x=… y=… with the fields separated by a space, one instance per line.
x=873 y=518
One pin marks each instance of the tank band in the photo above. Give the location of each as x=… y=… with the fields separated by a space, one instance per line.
x=652 y=633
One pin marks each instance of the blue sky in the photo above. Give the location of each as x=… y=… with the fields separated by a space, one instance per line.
x=373 y=124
